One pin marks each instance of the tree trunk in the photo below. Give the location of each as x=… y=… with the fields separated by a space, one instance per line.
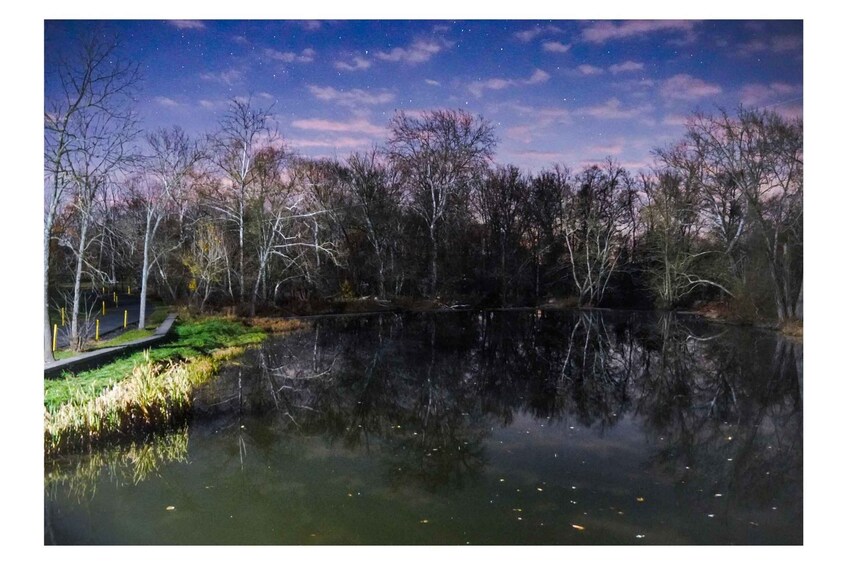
x=48 y=330
x=74 y=339
x=433 y=266
x=145 y=271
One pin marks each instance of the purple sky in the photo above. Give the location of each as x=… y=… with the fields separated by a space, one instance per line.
x=571 y=92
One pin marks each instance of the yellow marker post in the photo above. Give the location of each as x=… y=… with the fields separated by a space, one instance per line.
x=115 y=296
x=125 y=314
x=104 y=307
x=97 y=330
x=55 y=331
x=63 y=315
x=127 y=290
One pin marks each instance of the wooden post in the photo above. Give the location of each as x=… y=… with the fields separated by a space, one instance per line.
x=104 y=307
x=63 y=316
x=97 y=329
x=55 y=331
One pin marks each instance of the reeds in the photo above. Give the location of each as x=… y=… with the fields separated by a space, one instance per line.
x=154 y=396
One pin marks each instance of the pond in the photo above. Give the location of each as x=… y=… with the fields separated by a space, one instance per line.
x=495 y=427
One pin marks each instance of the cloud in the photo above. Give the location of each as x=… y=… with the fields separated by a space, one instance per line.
x=774 y=44
x=555 y=47
x=358 y=64
x=538 y=76
x=311 y=25
x=165 y=101
x=355 y=97
x=419 y=51
x=608 y=150
x=478 y=88
x=520 y=133
x=431 y=82
x=352 y=126
x=785 y=99
x=207 y=104
x=590 y=70
x=529 y=34
x=675 y=120
x=228 y=77
x=306 y=55
x=604 y=31
x=625 y=67
x=612 y=109
x=687 y=87
x=187 y=24
x=338 y=142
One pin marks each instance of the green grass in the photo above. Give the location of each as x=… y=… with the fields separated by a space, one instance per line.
x=192 y=339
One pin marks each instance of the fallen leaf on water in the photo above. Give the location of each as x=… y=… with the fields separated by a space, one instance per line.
x=577 y=527
x=639 y=536
x=171 y=508
x=424 y=521
x=539 y=489
x=640 y=499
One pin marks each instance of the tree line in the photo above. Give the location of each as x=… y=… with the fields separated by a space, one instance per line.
x=237 y=218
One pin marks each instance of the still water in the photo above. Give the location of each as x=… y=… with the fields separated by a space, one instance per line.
x=500 y=427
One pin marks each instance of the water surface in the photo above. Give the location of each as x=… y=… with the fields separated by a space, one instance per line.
x=500 y=427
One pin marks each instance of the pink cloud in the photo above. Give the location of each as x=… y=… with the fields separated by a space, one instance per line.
x=555 y=47
x=352 y=126
x=419 y=51
x=355 y=97
x=530 y=34
x=338 y=143
x=306 y=55
x=538 y=76
x=758 y=94
x=607 y=150
x=602 y=32
x=612 y=109
x=520 y=133
x=773 y=44
x=687 y=87
x=358 y=64
x=165 y=101
x=625 y=67
x=590 y=70
x=187 y=24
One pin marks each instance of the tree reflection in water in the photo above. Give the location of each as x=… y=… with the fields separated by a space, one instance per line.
x=721 y=406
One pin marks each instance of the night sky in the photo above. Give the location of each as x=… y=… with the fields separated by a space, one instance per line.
x=571 y=92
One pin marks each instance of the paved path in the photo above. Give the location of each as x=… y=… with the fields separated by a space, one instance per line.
x=113 y=319
x=97 y=357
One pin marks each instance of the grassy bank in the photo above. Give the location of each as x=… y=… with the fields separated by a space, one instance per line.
x=146 y=390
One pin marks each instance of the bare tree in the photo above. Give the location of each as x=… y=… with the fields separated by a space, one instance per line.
x=761 y=154
x=244 y=132
x=88 y=123
x=674 y=243
x=500 y=199
x=376 y=195
x=435 y=154
x=161 y=188
x=597 y=227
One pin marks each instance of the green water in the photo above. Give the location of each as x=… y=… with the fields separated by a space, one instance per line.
x=518 y=427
